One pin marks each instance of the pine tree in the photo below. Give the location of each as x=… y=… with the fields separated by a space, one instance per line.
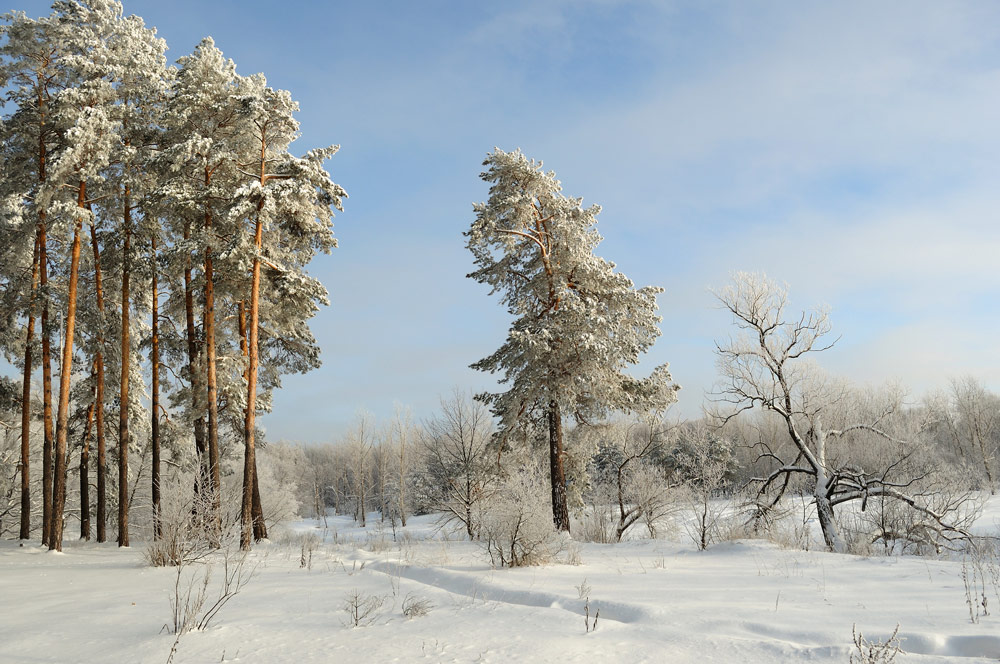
x=579 y=323
x=33 y=73
x=200 y=151
x=141 y=88
x=110 y=58
x=291 y=197
x=90 y=130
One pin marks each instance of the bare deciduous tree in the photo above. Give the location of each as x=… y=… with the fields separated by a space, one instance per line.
x=383 y=457
x=704 y=460
x=975 y=425
x=459 y=473
x=402 y=434
x=766 y=366
x=360 y=443
x=639 y=488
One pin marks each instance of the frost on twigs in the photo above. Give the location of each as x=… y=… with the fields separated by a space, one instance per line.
x=196 y=601
x=517 y=528
x=458 y=472
x=981 y=575
x=309 y=543
x=185 y=537
x=416 y=607
x=875 y=652
x=361 y=609
x=626 y=486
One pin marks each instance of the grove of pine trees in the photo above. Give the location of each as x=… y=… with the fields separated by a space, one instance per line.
x=154 y=231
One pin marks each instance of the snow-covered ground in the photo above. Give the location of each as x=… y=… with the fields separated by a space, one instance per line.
x=659 y=601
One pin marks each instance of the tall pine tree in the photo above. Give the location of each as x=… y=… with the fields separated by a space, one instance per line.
x=579 y=324
x=292 y=199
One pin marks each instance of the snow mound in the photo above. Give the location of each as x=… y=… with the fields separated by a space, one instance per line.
x=972 y=645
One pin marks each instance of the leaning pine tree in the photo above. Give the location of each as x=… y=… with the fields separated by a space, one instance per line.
x=579 y=323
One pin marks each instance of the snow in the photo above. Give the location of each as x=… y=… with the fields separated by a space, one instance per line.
x=744 y=601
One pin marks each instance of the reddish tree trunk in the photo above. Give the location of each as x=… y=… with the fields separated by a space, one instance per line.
x=259 y=527
x=66 y=370
x=249 y=427
x=43 y=276
x=102 y=458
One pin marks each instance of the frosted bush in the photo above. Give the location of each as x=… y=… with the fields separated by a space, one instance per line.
x=517 y=528
x=183 y=538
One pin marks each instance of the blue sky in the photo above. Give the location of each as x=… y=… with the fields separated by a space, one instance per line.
x=848 y=149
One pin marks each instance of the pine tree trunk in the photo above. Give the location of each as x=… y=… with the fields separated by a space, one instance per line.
x=154 y=361
x=102 y=457
x=48 y=435
x=43 y=276
x=259 y=528
x=85 y=470
x=25 y=532
x=201 y=482
x=102 y=469
x=249 y=427
x=557 y=475
x=212 y=379
x=65 y=372
x=126 y=356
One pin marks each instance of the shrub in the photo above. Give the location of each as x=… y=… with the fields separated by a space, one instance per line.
x=362 y=610
x=517 y=527
x=875 y=652
x=415 y=607
x=183 y=539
